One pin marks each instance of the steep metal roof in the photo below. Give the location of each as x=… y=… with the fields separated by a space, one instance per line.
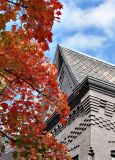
x=82 y=65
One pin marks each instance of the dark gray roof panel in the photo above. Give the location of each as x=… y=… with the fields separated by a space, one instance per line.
x=82 y=65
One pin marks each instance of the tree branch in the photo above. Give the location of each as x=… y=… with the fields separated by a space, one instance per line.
x=17 y=4
x=11 y=139
x=5 y=78
x=3 y=123
x=45 y=95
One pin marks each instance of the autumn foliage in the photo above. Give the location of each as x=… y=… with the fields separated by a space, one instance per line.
x=28 y=83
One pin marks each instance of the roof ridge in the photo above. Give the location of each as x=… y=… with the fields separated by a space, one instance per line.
x=84 y=54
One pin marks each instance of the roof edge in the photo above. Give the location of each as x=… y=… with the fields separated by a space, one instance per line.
x=56 y=53
x=82 y=53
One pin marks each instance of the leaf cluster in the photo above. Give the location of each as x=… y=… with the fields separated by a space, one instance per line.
x=28 y=86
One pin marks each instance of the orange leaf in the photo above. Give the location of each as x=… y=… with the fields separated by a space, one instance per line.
x=46 y=107
x=13 y=28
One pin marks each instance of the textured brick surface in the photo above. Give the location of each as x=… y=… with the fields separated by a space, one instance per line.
x=90 y=132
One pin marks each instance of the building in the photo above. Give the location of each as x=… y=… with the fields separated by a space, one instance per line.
x=90 y=86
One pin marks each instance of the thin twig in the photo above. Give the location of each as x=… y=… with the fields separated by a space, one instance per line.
x=17 y=4
x=5 y=78
x=3 y=123
x=8 y=71
x=7 y=136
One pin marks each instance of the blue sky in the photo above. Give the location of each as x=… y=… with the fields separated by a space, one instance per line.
x=87 y=26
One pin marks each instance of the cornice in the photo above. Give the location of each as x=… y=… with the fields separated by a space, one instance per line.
x=89 y=83
x=101 y=86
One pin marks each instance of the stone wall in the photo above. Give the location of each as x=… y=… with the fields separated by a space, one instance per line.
x=65 y=81
x=90 y=132
x=6 y=156
x=103 y=125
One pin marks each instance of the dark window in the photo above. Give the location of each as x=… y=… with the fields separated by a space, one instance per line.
x=113 y=155
x=75 y=158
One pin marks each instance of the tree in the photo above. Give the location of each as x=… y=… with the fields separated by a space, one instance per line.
x=28 y=84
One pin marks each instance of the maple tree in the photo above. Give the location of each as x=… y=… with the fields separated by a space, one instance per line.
x=28 y=83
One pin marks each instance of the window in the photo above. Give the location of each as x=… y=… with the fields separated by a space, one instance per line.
x=113 y=155
x=75 y=158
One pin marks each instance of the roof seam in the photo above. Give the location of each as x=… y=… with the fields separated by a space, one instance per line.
x=81 y=53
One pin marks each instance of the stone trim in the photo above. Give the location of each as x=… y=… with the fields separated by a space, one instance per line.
x=103 y=122
x=77 y=131
x=74 y=147
x=79 y=92
x=90 y=105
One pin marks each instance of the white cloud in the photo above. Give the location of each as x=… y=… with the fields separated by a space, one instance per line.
x=76 y=18
x=82 y=41
x=102 y=17
x=87 y=27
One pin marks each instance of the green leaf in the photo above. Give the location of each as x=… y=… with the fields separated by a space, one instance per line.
x=15 y=154
x=19 y=141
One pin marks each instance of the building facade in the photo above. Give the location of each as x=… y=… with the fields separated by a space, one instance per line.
x=90 y=86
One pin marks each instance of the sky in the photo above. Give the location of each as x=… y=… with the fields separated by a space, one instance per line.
x=87 y=26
